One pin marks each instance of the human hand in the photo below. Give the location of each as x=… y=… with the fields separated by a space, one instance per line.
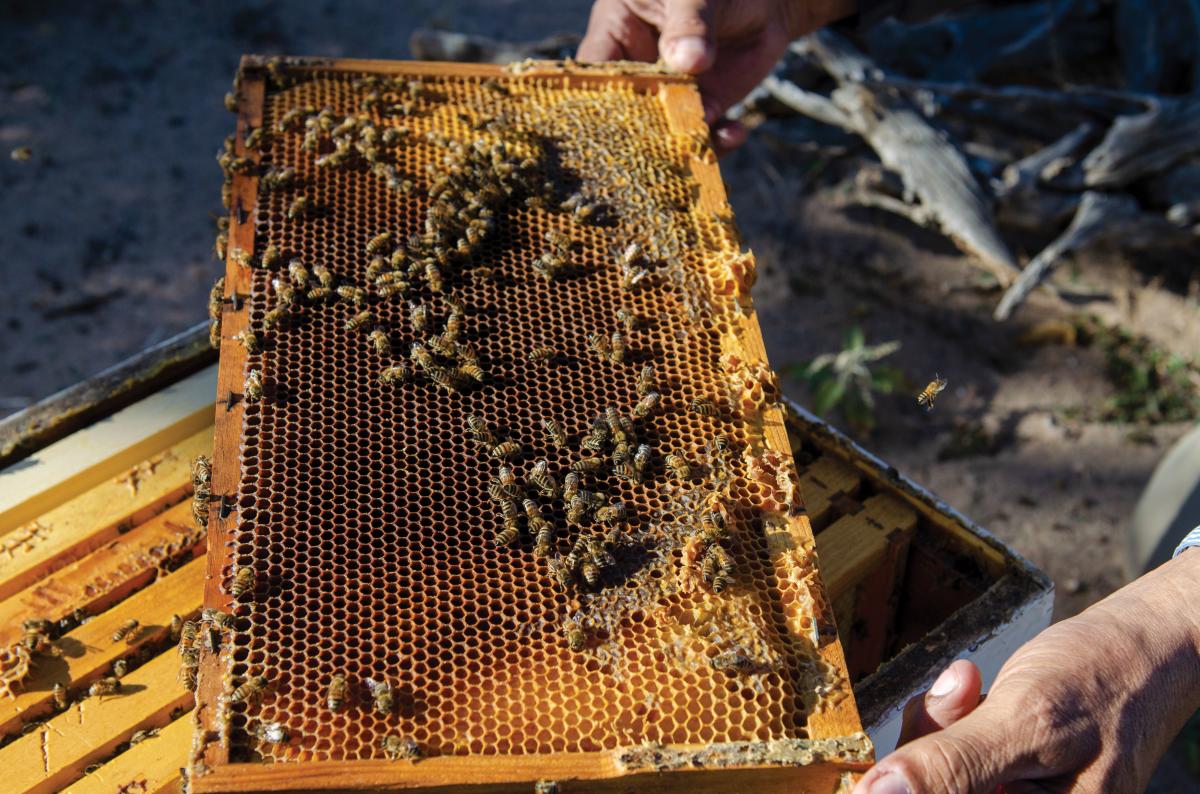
x=1089 y=705
x=730 y=45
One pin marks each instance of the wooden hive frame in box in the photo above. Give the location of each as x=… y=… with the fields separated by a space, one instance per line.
x=352 y=533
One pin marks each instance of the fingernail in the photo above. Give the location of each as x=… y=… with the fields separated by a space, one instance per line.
x=946 y=683
x=889 y=784
x=686 y=53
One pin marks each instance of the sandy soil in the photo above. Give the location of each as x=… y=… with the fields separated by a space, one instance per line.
x=106 y=237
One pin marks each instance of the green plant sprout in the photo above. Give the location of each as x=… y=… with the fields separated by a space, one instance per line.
x=850 y=379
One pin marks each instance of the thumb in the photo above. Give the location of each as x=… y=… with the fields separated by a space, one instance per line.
x=686 y=42
x=954 y=695
x=970 y=757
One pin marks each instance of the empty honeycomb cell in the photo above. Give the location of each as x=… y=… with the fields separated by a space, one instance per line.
x=363 y=506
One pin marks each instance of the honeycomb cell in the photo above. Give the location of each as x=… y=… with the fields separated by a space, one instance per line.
x=364 y=506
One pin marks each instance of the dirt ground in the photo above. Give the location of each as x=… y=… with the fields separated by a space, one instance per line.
x=106 y=237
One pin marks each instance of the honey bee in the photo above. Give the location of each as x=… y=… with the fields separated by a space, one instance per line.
x=243 y=582
x=543 y=537
x=587 y=465
x=398 y=748
x=378 y=243
x=60 y=697
x=540 y=355
x=250 y=689
x=250 y=341
x=242 y=258
x=734 y=660
x=472 y=370
x=383 y=345
x=336 y=695
x=279 y=179
x=577 y=510
x=256 y=138
x=597 y=549
x=216 y=298
x=384 y=700
x=398 y=258
x=176 y=628
x=271 y=256
x=276 y=316
x=128 y=628
x=641 y=459
x=285 y=293
x=290 y=119
x=421 y=356
x=445 y=379
x=36 y=641
x=576 y=638
x=627 y=319
x=555 y=433
x=541 y=477
x=679 y=467
x=647 y=404
x=187 y=635
x=611 y=514
x=120 y=668
x=570 y=486
x=231 y=102
x=220 y=245
x=442 y=346
x=647 y=381
x=494 y=87
x=717 y=568
x=509 y=535
x=110 y=685
x=617 y=348
x=253 y=387
x=479 y=430
x=932 y=390
x=509 y=509
x=561 y=573
x=188 y=673
x=712 y=526
x=396 y=374
x=719 y=442
x=418 y=315
x=356 y=295
x=376 y=269
x=318 y=294
x=704 y=407
x=590 y=572
x=324 y=277
x=599 y=345
x=632 y=276
x=620 y=426
x=506 y=450
x=360 y=320
x=298 y=209
x=433 y=277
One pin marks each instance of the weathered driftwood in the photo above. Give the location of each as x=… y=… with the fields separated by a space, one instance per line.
x=1137 y=146
x=931 y=166
x=1020 y=199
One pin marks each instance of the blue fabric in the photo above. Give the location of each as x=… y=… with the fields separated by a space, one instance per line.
x=1192 y=539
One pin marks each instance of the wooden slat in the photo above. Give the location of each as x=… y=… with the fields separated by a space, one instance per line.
x=824 y=480
x=149 y=767
x=91 y=649
x=56 y=754
x=95 y=517
x=106 y=575
x=853 y=546
x=83 y=460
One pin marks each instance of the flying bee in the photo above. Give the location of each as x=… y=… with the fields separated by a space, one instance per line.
x=587 y=465
x=647 y=381
x=611 y=514
x=128 y=628
x=932 y=390
x=599 y=345
x=544 y=481
x=335 y=697
x=381 y=693
x=379 y=338
x=356 y=295
x=647 y=404
x=617 y=348
x=243 y=582
x=60 y=696
x=717 y=568
x=105 y=686
x=378 y=243
x=555 y=433
x=253 y=387
x=576 y=638
x=704 y=406
x=400 y=748
x=250 y=341
x=271 y=256
x=298 y=209
x=433 y=277
x=505 y=450
x=679 y=467
x=324 y=277
x=360 y=321
x=396 y=374
x=250 y=689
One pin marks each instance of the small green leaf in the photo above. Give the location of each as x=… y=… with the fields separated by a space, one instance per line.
x=827 y=395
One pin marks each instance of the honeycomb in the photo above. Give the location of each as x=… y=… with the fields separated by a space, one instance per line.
x=363 y=507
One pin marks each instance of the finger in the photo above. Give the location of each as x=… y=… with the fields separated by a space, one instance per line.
x=615 y=33
x=737 y=70
x=728 y=135
x=687 y=43
x=954 y=695
x=970 y=757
